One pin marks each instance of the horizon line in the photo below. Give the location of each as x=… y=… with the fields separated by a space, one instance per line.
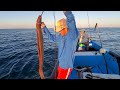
x=52 y=27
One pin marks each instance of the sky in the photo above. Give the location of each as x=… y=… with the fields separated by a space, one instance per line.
x=27 y=19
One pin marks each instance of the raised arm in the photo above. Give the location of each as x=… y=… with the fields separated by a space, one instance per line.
x=50 y=36
x=71 y=24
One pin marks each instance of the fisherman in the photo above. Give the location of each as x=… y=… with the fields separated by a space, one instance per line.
x=67 y=41
x=83 y=41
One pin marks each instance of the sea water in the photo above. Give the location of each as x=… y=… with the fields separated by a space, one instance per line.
x=19 y=57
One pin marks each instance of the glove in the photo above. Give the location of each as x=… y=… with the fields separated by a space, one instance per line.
x=42 y=25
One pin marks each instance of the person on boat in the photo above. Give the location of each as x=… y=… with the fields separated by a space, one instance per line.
x=83 y=41
x=67 y=40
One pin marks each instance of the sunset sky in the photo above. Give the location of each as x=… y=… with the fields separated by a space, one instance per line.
x=27 y=19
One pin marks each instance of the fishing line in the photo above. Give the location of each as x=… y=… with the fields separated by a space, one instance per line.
x=88 y=24
x=54 y=74
x=55 y=32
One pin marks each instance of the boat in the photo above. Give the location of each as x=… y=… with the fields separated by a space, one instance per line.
x=94 y=64
x=95 y=61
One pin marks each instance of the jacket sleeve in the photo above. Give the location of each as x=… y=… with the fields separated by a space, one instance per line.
x=51 y=37
x=73 y=32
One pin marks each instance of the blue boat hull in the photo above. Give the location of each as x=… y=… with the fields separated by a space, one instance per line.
x=99 y=63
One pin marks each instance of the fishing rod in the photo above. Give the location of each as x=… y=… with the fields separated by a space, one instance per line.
x=42 y=13
x=99 y=38
x=55 y=29
x=98 y=34
x=95 y=27
x=102 y=47
x=88 y=24
x=54 y=72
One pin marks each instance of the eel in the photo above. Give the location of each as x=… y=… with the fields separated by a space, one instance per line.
x=40 y=44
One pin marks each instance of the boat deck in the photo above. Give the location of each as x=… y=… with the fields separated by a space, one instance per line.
x=86 y=58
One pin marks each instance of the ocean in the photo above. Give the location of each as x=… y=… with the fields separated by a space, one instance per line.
x=19 y=57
